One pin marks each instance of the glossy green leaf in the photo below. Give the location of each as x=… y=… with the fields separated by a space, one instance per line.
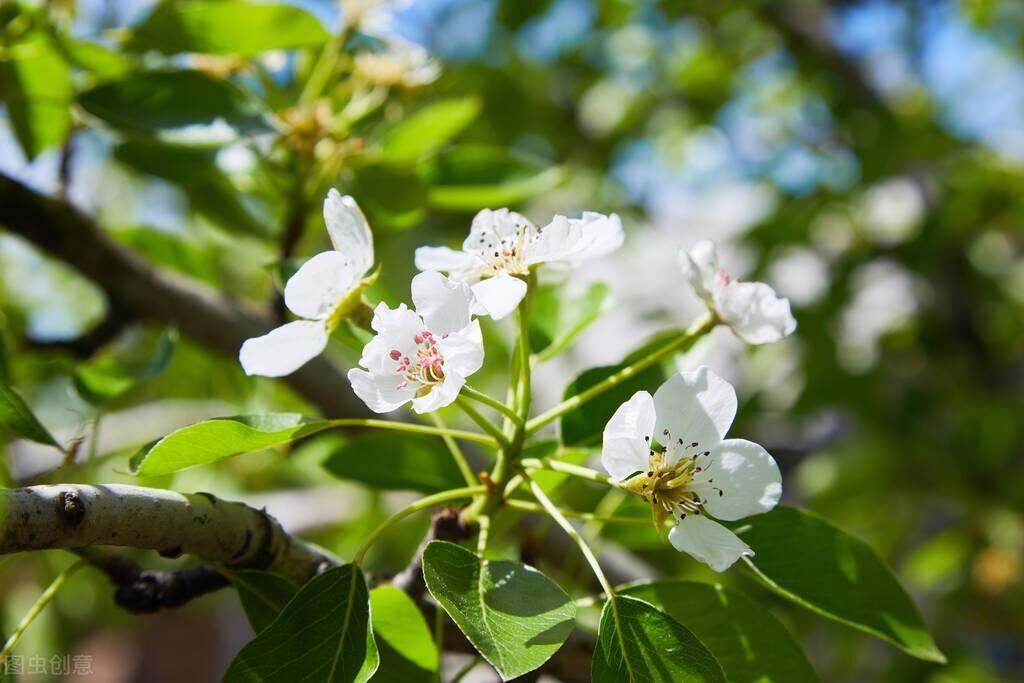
x=93 y=57
x=407 y=650
x=206 y=442
x=226 y=27
x=322 y=636
x=637 y=643
x=392 y=197
x=194 y=170
x=16 y=416
x=804 y=558
x=515 y=616
x=263 y=596
x=35 y=82
x=747 y=640
x=396 y=462
x=555 y=320
x=472 y=177
x=429 y=129
x=152 y=102
x=106 y=378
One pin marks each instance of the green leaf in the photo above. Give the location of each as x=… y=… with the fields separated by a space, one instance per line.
x=555 y=322
x=747 y=640
x=637 y=642
x=322 y=636
x=93 y=57
x=391 y=197
x=429 y=129
x=263 y=595
x=471 y=177
x=107 y=378
x=153 y=102
x=227 y=27
x=807 y=560
x=223 y=437
x=512 y=614
x=172 y=250
x=407 y=650
x=393 y=462
x=194 y=170
x=35 y=83
x=17 y=416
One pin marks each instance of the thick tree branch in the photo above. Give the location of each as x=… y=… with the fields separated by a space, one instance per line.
x=232 y=535
x=135 y=287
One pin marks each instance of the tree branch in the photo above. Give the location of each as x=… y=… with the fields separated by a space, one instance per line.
x=232 y=535
x=134 y=286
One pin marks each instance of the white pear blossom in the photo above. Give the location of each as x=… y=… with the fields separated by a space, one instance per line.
x=400 y=63
x=670 y=449
x=323 y=291
x=503 y=244
x=425 y=355
x=752 y=309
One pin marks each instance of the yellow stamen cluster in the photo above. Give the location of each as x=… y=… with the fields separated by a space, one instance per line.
x=666 y=487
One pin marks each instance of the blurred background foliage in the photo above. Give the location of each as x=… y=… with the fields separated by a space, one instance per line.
x=866 y=158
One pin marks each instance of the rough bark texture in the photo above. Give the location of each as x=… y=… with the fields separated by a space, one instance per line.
x=232 y=535
x=136 y=288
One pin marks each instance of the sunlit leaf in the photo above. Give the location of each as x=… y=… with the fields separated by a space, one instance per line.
x=427 y=130
x=396 y=462
x=515 y=616
x=556 y=320
x=637 y=643
x=106 y=378
x=35 y=82
x=407 y=650
x=16 y=416
x=226 y=27
x=322 y=636
x=472 y=177
x=807 y=560
x=206 y=442
x=747 y=640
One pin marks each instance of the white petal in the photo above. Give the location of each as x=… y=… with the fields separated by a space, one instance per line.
x=320 y=285
x=440 y=395
x=396 y=321
x=755 y=312
x=708 y=541
x=700 y=265
x=283 y=350
x=697 y=407
x=381 y=394
x=737 y=480
x=458 y=264
x=443 y=304
x=349 y=231
x=626 y=446
x=463 y=351
x=491 y=229
x=558 y=240
x=499 y=296
x=602 y=235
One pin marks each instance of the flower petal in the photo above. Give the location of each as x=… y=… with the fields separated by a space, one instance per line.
x=755 y=312
x=626 y=437
x=494 y=230
x=696 y=407
x=283 y=350
x=708 y=541
x=700 y=266
x=320 y=284
x=463 y=351
x=738 y=479
x=458 y=264
x=498 y=296
x=442 y=303
x=440 y=395
x=602 y=235
x=350 y=233
x=380 y=393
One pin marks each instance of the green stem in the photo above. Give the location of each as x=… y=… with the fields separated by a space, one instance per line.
x=523 y=396
x=527 y=506
x=44 y=600
x=569 y=529
x=484 y=522
x=569 y=468
x=695 y=332
x=322 y=71
x=482 y=439
x=490 y=401
x=457 y=455
x=413 y=508
x=484 y=424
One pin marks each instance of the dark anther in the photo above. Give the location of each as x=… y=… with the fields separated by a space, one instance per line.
x=650 y=474
x=647 y=438
x=666 y=432
x=694 y=444
x=680 y=442
x=71 y=507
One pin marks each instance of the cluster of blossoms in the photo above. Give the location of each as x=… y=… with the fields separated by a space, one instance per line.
x=670 y=448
